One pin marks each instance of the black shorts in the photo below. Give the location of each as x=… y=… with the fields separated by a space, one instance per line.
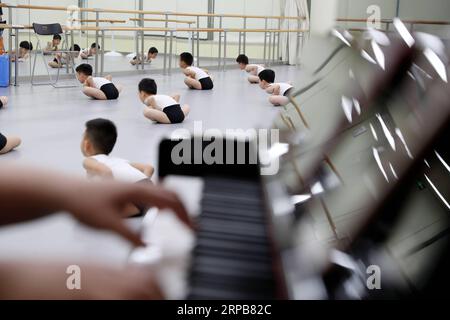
x=288 y=92
x=206 y=83
x=174 y=113
x=110 y=91
x=1 y=104
x=3 y=141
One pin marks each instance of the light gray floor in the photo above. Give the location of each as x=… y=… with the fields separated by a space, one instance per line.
x=113 y=65
x=51 y=121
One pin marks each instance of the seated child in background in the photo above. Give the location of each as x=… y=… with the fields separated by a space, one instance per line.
x=98 y=88
x=89 y=52
x=196 y=78
x=161 y=108
x=7 y=143
x=53 y=45
x=253 y=69
x=25 y=48
x=279 y=91
x=151 y=55
x=61 y=59
x=97 y=143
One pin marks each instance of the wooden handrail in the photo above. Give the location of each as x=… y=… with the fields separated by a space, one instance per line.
x=101 y=20
x=106 y=10
x=9 y=26
x=112 y=28
x=163 y=20
x=264 y=30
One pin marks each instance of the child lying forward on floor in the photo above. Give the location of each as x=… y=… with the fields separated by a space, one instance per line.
x=98 y=88
x=253 y=69
x=279 y=91
x=161 y=108
x=98 y=142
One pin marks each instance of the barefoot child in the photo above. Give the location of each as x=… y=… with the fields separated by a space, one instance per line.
x=279 y=91
x=151 y=55
x=62 y=59
x=196 y=78
x=253 y=69
x=97 y=87
x=161 y=108
x=98 y=142
x=89 y=52
x=25 y=48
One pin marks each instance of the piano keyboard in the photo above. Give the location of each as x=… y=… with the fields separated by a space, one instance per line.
x=232 y=257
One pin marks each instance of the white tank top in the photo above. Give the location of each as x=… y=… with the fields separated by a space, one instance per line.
x=163 y=101
x=99 y=81
x=260 y=68
x=199 y=73
x=121 y=169
x=283 y=87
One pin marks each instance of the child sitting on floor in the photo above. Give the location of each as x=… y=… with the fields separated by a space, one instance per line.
x=279 y=91
x=89 y=52
x=25 y=48
x=7 y=143
x=253 y=69
x=61 y=59
x=98 y=142
x=98 y=88
x=151 y=55
x=161 y=108
x=196 y=78
x=53 y=45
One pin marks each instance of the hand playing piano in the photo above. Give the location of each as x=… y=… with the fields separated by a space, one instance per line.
x=100 y=205
x=27 y=194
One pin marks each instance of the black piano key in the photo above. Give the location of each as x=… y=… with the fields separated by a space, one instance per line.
x=231 y=237
x=232 y=256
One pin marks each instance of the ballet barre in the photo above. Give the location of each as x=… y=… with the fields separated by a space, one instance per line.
x=163 y=20
x=100 y=32
x=167 y=15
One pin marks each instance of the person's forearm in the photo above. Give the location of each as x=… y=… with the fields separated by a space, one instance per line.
x=28 y=194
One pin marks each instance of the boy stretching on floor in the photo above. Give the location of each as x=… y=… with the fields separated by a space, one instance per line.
x=279 y=91
x=151 y=55
x=161 y=108
x=89 y=52
x=62 y=59
x=253 y=69
x=196 y=78
x=25 y=49
x=98 y=88
x=98 y=142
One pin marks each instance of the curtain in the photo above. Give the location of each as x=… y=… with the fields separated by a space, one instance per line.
x=290 y=43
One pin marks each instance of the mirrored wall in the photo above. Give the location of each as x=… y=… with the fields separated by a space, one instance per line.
x=222 y=37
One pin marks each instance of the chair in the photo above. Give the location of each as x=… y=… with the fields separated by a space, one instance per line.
x=46 y=30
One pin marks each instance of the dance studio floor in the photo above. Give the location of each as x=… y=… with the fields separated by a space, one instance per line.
x=51 y=122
